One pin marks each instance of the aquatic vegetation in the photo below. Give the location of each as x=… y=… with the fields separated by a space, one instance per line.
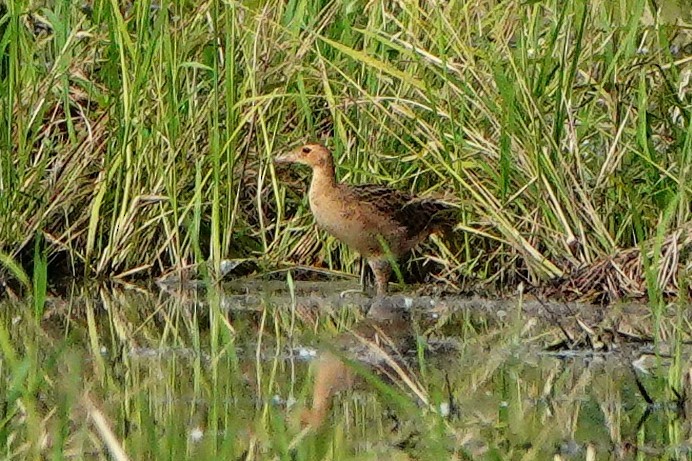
x=127 y=374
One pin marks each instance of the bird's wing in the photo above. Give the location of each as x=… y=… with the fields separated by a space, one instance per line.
x=413 y=213
x=385 y=199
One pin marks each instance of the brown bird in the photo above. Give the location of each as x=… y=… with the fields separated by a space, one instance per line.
x=379 y=222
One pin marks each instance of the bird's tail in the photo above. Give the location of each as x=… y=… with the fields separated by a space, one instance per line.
x=432 y=216
x=445 y=217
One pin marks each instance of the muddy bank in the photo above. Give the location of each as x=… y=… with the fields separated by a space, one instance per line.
x=567 y=325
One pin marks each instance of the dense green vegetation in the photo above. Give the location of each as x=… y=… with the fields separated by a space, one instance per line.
x=137 y=138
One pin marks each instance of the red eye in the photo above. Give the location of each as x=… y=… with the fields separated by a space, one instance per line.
x=306 y=150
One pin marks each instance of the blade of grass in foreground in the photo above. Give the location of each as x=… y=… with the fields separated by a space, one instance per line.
x=15 y=269
x=40 y=276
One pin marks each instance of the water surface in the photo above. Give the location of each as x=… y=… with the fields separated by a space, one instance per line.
x=225 y=373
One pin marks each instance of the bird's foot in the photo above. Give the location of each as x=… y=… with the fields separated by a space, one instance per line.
x=360 y=291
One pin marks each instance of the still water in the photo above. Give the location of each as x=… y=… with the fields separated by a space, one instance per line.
x=229 y=373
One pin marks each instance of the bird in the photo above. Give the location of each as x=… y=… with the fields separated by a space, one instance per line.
x=379 y=222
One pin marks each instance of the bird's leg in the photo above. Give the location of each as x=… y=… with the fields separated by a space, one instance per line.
x=363 y=275
x=382 y=270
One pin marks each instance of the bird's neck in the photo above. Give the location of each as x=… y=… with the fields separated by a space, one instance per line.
x=323 y=177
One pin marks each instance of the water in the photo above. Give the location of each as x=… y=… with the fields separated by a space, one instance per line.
x=229 y=373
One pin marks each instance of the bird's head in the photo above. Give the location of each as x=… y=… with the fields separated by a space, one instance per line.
x=313 y=155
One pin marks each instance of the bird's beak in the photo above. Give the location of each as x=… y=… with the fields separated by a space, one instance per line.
x=289 y=157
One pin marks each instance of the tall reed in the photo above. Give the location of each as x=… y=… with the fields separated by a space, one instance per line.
x=138 y=137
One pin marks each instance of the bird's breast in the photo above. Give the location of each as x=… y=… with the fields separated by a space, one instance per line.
x=333 y=215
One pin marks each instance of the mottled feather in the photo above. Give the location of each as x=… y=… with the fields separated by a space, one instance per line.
x=414 y=213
